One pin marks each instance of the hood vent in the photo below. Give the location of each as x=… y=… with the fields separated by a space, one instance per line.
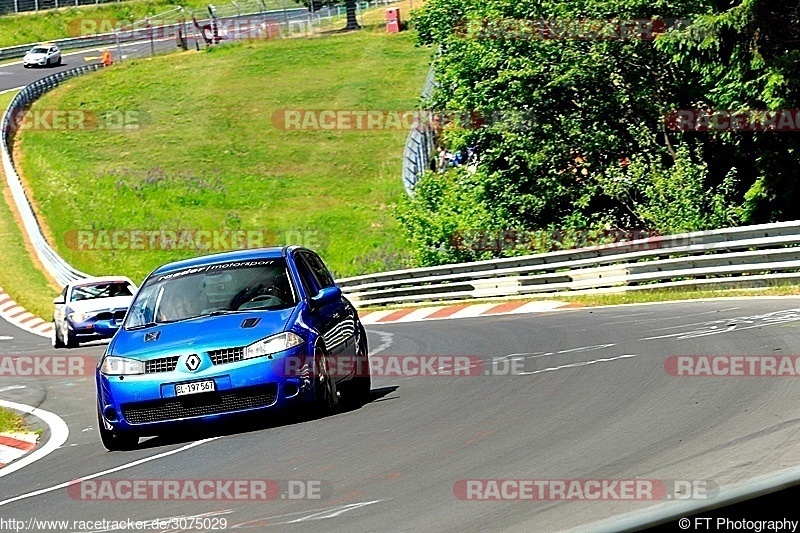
x=250 y=322
x=152 y=336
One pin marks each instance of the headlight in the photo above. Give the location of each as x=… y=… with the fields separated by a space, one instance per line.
x=79 y=317
x=121 y=366
x=274 y=344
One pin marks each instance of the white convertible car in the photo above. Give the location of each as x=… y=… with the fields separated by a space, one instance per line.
x=84 y=302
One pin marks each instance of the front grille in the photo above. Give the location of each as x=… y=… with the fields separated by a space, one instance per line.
x=229 y=355
x=200 y=404
x=119 y=314
x=162 y=364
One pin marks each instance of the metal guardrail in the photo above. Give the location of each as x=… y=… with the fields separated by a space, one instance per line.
x=419 y=144
x=53 y=263
x=744 y=256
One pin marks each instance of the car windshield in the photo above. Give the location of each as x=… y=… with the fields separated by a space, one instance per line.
x=100 y=290
x=220 y=288
x=38 y=51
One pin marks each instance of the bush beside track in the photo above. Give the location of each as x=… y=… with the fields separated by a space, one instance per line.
x=209 y=157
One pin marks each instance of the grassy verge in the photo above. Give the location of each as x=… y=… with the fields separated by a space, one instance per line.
x=10 y=421
x=19 y=277
x=211 y=151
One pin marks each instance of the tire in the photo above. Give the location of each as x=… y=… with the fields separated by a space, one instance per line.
x=58 y=342
x=357 y=390
x=115 y=441
x=58 y=63
x=69 y=340
x=325 y=395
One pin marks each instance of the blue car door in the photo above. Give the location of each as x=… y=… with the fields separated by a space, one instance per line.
x=337 y=320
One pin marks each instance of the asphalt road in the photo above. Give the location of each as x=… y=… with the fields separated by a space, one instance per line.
x=590 y=400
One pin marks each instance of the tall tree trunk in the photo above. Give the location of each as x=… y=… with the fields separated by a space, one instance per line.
x=352 y=22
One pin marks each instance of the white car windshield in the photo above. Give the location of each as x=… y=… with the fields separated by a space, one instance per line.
x=38 y=51
x=100 y=290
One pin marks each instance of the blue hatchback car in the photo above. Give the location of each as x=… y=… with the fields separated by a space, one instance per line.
x=238 y=332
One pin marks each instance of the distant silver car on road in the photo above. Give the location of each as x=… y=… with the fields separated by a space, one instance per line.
x=42 y=55
x=84 y=302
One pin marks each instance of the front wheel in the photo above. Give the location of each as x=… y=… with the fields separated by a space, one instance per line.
x=58 y=342
x=357 y=389
x=325 y=395
x=115 y=441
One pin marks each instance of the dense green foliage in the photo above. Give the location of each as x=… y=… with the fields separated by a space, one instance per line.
x=575 y=134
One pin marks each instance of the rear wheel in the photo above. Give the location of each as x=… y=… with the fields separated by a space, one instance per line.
x=115 y=441
x=325 y=397
x=58 y=63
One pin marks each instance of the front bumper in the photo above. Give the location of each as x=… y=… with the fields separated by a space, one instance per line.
x=148 y=404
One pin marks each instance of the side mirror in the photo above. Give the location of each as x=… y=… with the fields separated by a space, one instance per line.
x=324 y=297
x=105 y=327
x=59 y=300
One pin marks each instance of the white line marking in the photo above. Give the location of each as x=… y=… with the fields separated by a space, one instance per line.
x=58 y=434
x=98 y=474
x=331 y=513
x=386 y=341
x=587 y=348
x=6 y=338
x=12 y=387
x=575 y=365
x=11 y=90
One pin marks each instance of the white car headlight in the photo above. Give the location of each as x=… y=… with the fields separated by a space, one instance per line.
x=121 y=366
x=274 y=344
x=79 y=317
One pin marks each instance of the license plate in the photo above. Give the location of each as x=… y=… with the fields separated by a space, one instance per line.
x=195 y=388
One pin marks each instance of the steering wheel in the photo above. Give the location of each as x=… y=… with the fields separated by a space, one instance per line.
x=262 y=300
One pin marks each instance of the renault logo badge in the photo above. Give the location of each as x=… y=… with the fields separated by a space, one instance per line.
x=193 y=362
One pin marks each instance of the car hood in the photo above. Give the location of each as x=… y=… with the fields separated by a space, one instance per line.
x=35 y=56
x=199 y=334
x=101 y=304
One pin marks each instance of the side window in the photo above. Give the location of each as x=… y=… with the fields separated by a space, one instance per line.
x=64 y=293
x=306 y=277
x=319 y=269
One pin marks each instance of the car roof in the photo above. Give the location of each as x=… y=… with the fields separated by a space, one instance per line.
x=100 y=279
x=274 y=252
